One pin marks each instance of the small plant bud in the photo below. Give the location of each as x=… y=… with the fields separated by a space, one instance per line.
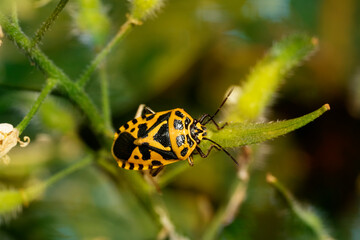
x=92 y=23
x=142 y=9
x=11 y=203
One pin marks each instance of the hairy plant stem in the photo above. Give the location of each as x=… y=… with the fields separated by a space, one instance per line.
x=36 y=56
x=47 y=24
x=50 y=84
x=124 y=29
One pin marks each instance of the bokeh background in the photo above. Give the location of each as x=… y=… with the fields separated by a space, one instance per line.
x=187 y=56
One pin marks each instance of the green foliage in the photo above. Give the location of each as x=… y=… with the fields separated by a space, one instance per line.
x=142 y=192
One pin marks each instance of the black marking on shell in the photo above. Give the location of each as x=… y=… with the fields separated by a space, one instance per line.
x=142 y=130
x=145 y=151
x=124 y=146
x=156 y=163
x=131 y=166
x=141 y=166
x=126 y=126
x=179 y=114
x=134 y=121
x=148 y=118
x=178 y=124
x=189 y=141
x=162 y=136
x=187 y=122
x=166 y=155
x=160 y=119
x=180 y=140
x=184 y=151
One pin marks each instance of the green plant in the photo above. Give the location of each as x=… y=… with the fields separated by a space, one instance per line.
x=248 y=104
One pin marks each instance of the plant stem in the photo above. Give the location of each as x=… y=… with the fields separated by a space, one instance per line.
x=47 y=24
x=13 y=32
x=124 y=29
x=227 y=212
x=307 y=217
x=67 y=171
x=34 y=192
x=50 y=84
x=105 y=95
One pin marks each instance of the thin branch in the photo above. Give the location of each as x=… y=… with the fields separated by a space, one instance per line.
x=50 y=70
x=307 y=217
x=47 y=24
x=227 y=212
x=124 y=29
x=50 y=84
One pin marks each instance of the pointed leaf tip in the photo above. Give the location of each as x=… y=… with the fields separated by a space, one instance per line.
x=270 y=178
x=327 y=107
x=315 y=41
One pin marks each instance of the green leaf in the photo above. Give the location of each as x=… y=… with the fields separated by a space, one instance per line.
x=239 y=134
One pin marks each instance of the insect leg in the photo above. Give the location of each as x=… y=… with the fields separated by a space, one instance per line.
x=142 y=110
x=204 y=155
x=151 y=180
x=211 y=119
x=217 y=146
x=190 y=161
x=154 y=172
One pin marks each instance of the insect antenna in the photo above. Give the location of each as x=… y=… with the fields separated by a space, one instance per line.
x=203 y=119
x=222 y=149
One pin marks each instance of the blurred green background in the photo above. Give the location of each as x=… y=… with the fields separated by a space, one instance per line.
x=187 y=56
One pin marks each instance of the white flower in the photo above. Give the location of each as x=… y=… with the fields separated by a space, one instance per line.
x=9 y=137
